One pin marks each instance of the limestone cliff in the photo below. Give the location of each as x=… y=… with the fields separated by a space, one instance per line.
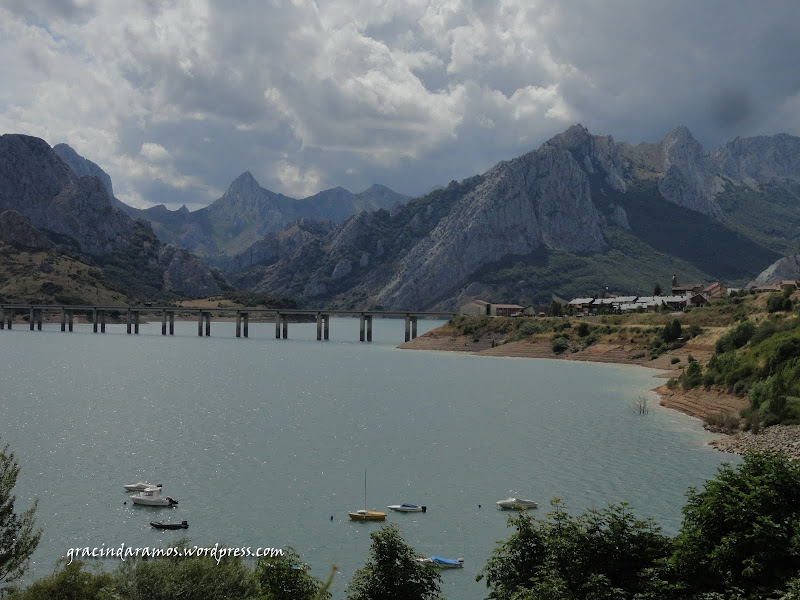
x=784 y=269
x=540 y=198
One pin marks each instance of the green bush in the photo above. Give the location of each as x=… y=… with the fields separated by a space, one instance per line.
x=583 y=329
x=559 y=345
x=674 y=360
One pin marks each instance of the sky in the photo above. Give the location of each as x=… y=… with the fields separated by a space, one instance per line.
x=175 y=99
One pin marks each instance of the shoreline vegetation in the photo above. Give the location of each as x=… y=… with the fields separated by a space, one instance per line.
x=687 y=383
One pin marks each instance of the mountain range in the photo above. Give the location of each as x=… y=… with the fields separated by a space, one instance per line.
x=581 y=214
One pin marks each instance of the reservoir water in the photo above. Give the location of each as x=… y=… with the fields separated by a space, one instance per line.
x=265 y=442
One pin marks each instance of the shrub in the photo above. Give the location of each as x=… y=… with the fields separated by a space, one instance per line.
x=674 y=360
x=583 y=329
x=725 y=421
x=559 y=345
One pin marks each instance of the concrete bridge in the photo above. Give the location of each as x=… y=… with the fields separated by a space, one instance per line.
x=8 y=312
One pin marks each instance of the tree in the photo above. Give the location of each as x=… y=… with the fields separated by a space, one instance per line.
x=18 y=536
x=555 y=308
x=285 y=578
x=657 y=290
x=188 y=578
x=741 y=531
x=393 y=571
x=600 y=554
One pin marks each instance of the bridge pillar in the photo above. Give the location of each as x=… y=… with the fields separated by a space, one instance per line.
x=129 y=321
x=369 y=328
x=11 y=318
x=361 y=320
x=246 y=317
x=70 y=318
x=285 y=323
x=164 y=323
x=200 y=323
x=208 y=324
x=136 y=323
x=31 y=319
x=413 y=327
x=2 y=317
x=238 y=324
x=278 y=325
x=102 y=321
x=94 y=319
x=327 y=325
x=63 y=319
x=39 y=317
x=172 y=322
x=408 y=327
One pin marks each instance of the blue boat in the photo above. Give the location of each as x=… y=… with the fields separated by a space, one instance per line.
x=442 y=563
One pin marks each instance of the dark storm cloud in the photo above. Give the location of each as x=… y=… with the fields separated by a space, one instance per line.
x=176 y=99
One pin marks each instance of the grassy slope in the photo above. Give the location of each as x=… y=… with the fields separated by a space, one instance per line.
x=71 y=281
x=769 y=216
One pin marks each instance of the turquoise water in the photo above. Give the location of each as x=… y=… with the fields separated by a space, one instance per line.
x=262 y=441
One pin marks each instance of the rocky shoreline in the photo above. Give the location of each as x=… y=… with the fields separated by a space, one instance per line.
x=783 y=438
x=696 y=403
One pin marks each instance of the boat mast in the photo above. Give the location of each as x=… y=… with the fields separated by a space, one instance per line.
x=365 y=489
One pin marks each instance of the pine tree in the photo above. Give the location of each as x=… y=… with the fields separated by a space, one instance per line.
x=18 y=538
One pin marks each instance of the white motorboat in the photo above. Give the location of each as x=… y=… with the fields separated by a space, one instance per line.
x=442 y=563
x=514 y=502
x=152 y=497
x=407 y=508
x=139 y=486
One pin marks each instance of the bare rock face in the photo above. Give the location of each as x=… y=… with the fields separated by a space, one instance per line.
x=760 y=159
x=598 y=154
x=619 y=217
x=185 y=273
x=314 y=289
x=17 y=230
x=540 y=198
x=83 y=211
x=787 y=268
x=689 y=174
x=83 y=167
x=35 y=182
x=343 y=269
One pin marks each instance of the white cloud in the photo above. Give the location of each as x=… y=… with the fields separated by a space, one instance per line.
x=411 y=94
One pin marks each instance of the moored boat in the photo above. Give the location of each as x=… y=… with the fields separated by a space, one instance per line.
x=514 y=502
x=405 y=507
x=367 y=515
x=139 y=486
x=162 y=525
x=442 y=563
x=152 y=497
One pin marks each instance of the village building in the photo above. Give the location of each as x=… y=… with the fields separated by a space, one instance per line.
x=698 y=300
x=481 y=308
x=505 y=310
x=683 y=289
x=476 y=308
x=581 y=303
x=715 y=290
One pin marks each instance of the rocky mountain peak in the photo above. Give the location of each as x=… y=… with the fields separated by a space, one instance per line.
x=689 y=173
x=244 y=185
x=83 y=167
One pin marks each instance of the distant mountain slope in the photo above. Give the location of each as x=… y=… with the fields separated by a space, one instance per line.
x=41 y=197
x=565 y=212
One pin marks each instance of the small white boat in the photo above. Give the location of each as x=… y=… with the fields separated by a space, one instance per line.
x=139 y=486
x=152 y=497
x=407 y=508
x=442 y=563
x=514 y=502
